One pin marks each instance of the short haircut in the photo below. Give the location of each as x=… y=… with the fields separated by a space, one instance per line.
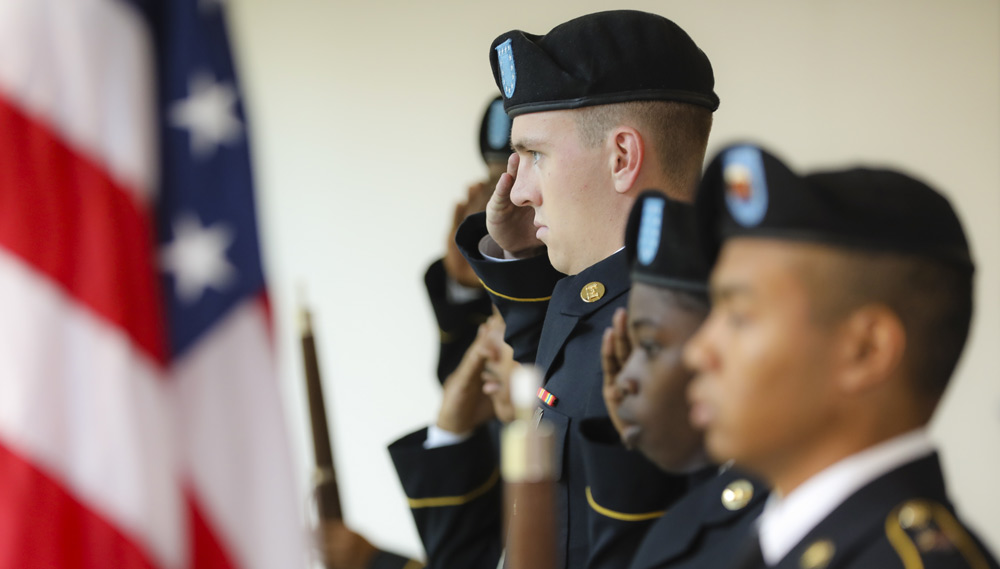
x=933 y=300
x=677 y=132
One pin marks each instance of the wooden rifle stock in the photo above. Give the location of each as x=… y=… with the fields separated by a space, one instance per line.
x=530 y=513
x=528 y=467
x=325 y=481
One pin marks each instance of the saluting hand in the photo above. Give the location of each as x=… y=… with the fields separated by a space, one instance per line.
x=463 y=404
x=511 y=226
x=455 y=265
x=615 y=350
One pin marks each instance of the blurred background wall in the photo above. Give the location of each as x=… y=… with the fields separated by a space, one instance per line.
x=364 y=121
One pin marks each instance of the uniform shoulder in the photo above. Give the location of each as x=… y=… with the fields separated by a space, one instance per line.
x=927 y=534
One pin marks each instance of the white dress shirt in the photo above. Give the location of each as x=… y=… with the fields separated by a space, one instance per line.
x=438 y=437
x=786 y=520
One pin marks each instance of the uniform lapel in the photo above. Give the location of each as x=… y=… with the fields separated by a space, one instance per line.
x=558 y=327
x=571 y=304
x=683 y=526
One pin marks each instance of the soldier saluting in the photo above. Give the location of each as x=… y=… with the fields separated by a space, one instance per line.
x=603 y=106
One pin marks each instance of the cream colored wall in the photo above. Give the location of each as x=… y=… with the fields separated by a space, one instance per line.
x=364 y=118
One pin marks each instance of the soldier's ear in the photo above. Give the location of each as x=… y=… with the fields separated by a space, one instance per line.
x=871 y=343
x=627 y=156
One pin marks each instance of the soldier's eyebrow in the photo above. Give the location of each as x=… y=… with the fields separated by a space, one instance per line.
x=643 y=322
x=525 y=144
x=726 y=291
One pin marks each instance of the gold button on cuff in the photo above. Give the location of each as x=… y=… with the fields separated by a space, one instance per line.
x=818 y=555
x=737 y=494
x=592 y=292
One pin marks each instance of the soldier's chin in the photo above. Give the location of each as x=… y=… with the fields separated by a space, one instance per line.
x=559 y=260
x=678 y=460
x=718 y=447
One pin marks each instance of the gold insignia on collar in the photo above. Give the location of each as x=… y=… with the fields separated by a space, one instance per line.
x=592 y=292
x=818 y=555
x=737 y=494
x=914 y=515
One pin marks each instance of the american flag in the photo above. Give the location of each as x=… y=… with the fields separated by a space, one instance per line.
x=140 y=421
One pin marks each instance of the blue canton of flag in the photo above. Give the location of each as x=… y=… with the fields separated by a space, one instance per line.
x=209 y=250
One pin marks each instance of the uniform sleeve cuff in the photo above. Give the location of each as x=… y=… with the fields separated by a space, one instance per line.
x=438 y=437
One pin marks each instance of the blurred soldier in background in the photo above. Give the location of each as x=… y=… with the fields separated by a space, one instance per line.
x=459 y=301
x=474 y=393
x=460 y=307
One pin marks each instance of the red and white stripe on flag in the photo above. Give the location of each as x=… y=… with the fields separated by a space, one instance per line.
x=113 y=452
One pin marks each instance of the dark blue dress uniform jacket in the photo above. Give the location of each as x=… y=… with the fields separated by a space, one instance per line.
x=549 y=323
x=454 y=493
x=457 y=322
x=699 y=531
x=902 y=520
x=702 y=529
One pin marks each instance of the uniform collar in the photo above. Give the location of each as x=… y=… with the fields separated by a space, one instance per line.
x=593 y=287
x=786 y=521
x=575 y=298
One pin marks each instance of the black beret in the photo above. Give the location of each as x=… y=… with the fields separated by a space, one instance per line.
x=663 y=246
x=602 y=58
x=747 y=191
x=494 y=132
